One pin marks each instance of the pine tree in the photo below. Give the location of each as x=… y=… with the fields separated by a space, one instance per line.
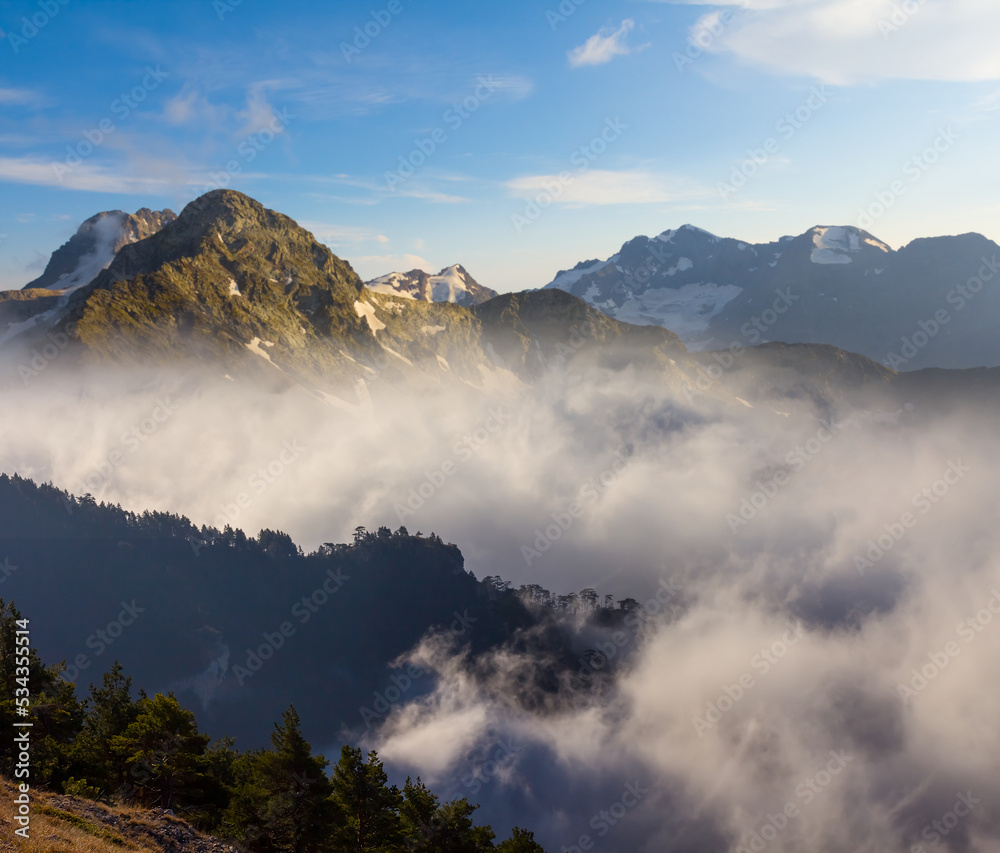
x=370 y=820
x=283 y=799
x=520 y=841
x=419 y=817
x=164 y=753
x=54 y=711
x=458 y=834
x=433 y=828
x=111 y=710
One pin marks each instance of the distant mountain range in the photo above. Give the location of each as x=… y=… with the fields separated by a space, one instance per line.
x=933 y=303
x=245 y=294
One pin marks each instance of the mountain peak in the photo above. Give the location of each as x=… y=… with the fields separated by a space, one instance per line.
x=94 y=245
x=452 y=284
x=835 y=244
x=222 y=204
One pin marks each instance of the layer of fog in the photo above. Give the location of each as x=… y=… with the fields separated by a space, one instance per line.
x=658 y=489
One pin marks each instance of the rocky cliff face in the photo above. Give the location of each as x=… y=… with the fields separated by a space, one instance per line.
x=95 y=244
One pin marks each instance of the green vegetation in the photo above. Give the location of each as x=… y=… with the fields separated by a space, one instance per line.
x=148 y=751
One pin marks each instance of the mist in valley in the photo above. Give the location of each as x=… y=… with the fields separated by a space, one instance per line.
x=816 y=587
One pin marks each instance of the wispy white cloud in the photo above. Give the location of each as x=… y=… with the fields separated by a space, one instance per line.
x=374 y=191
x=89 y=177
x=258 y=113
x=604 y=46
x=847 y=42
x=343 y=235
x=19 y=97
x=191 y=105
x=598 y=187
x=512 y=85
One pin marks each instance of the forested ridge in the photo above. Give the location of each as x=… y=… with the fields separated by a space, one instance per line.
x=116 y=743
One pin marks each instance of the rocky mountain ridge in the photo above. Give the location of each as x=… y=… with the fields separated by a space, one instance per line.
x=907 y=309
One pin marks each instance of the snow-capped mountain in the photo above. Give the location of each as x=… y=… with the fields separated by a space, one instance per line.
x=836 y=285
x=94 y=246
x=73 y=266
x=244 y=292
x=452 y=284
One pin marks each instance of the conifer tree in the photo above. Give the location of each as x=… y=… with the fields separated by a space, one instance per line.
x=520 y=841
x=369 y=807
x=283 y=799
x=164 y=753
x=110 y=711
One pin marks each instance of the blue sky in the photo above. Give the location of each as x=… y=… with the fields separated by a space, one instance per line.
x=514 y=137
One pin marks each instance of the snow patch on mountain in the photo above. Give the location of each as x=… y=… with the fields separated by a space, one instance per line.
x=255 y=347
x=393 y=284
x=682 y=265
x=107 y=231
x=686 y=310
x=566 y=280
x=366 y=310
x=452 y=284
x=832 y=245
x=449 y=285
